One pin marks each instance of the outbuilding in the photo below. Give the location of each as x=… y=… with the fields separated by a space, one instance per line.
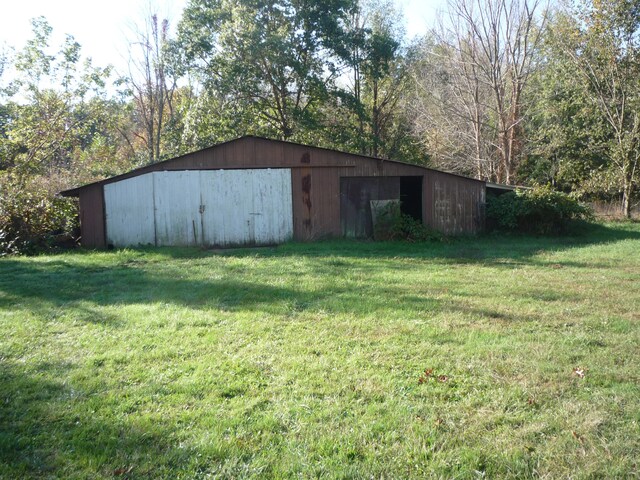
x=257 y=191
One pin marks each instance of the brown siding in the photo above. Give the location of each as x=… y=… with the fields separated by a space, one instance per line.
x=451 y=203
x=92 y=217
x=356 y=194
x=454 y=205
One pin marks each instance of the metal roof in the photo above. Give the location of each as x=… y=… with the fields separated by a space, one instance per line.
x=74 y=192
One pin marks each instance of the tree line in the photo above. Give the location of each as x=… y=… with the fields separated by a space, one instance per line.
x=510 y=91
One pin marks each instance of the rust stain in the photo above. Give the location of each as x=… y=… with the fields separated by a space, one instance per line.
x=306 y=199
x=306 y=191
x=306 y=158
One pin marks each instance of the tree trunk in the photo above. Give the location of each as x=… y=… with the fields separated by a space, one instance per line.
x=375 y=119
x=626 y=198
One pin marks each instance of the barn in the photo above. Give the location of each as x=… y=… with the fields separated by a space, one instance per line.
x=257 y=191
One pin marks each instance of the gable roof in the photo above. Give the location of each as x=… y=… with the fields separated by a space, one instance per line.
x=177 y=163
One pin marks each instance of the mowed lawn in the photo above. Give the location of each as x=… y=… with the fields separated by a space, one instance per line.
x=308 y=360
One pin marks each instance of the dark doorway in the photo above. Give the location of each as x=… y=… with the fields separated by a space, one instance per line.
x=411 y=197
x=356 y=195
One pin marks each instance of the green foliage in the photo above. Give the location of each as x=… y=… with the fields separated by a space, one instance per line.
x=31 y=219
x=58 y=129
x=272 y=59
x=541 y=210
x=55 y=107
x=392 y=224
x=567 y=136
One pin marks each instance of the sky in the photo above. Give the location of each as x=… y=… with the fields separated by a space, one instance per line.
x=102 y=27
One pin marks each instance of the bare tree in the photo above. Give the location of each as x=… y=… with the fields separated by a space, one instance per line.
x=152 y=85
x=487 y=50
x=450 y=111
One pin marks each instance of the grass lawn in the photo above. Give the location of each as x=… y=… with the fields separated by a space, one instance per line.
x=308 y=360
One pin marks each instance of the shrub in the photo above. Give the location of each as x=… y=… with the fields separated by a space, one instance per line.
x=31 y=219
x=540 y=210
x=392 y=224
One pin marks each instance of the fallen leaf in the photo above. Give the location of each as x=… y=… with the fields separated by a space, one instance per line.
x=577 y=437
x=442 y=378
x=579 y=372
x=426 y=375
x=122 y=471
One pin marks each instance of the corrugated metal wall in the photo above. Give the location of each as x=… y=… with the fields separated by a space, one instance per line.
x=92 y=217
x=246 y=206
x=356 y=219
x=129 y=211
x=210 y=208
x=450 y=203
x=455 y=205
x=177 y=208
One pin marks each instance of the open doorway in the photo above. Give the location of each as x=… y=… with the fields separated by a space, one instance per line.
x=411 y=197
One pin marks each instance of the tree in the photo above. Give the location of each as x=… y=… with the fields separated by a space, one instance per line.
x=605 y=49
x=488 y=48
x=567 y=137
x=379 y=75
x=447 y=97
x=152 y=85
x=55 y=102
x=55 y=131
x=272 y=59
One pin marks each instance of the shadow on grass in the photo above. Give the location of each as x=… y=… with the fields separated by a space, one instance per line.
x=71 y=286
x=58 y=288
x=490 y=249
x=47 y=428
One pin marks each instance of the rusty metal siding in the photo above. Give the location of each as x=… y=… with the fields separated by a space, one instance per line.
x=450 y=203
x=356 y=194
x=454 y=205
x=92 y=217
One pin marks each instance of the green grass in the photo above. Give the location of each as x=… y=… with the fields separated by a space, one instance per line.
x=303 y=361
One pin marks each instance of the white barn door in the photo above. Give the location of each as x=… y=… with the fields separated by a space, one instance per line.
x=246 y=206
x=272 y=209
x=129 y=213
x=206 y=207
x=177 y=205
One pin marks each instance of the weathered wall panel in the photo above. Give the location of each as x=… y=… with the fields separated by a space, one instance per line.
x=356 y=194
x=129 y=211
x=272 y=206
x=213 y=207
x=177 y=208
x=246 y=206
x=92 y=217
x=456 y=205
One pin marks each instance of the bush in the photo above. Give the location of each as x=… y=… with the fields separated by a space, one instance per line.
x=392 y=224
x=540 y=210
x=31 y=219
